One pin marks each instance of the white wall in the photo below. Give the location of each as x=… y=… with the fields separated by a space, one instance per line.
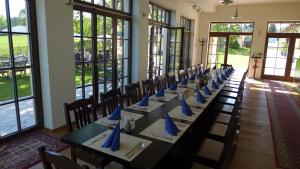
x=55 y=31
x=260 y=14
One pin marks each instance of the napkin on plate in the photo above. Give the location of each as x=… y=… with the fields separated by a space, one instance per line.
x=219 y=80
x=214 y=84
x=170 y=126
x=160 y=93
x=184 y=81
x=116 y=115
x=113 y=141
x=144 y=102
x=223 y=77
x=173 y=86
x=200 y=98
x=206 y=90
x=185 y=108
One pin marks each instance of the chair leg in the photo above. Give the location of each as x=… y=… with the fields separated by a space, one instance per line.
x=73 y=156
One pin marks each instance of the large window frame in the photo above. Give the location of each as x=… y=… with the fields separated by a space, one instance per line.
x=14 y=69
x=115 y=64
x=247 y=31
x=293 y=36
x=159 y=18
x=187 y=24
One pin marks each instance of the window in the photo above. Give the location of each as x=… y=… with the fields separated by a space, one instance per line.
x=187 y=24
x=230 y=43
x=120 y=5
x=282 y=50
x=158 y=19
x=102 y=57
x=19 y=87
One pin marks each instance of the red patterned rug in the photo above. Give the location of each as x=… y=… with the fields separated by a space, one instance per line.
x=284 y=112
x=22 y=153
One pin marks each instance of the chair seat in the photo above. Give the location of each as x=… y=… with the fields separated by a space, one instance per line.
x=235 y=90
x=223 y=118
x=91 y=158
x=226 y=100
x=196 y=165
x=228 y=94
x=211 y=149
x=224 y=108
x=218 y=129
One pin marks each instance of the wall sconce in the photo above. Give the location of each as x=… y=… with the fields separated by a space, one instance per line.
x=69 y=2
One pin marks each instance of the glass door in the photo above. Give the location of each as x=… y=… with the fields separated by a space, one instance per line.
x=175 y=53
x=216 y=51
x=296 y=56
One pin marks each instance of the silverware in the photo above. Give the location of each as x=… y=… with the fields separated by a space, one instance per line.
x=158 y=135
x=140 y=147
x=133 y=149
x=99 y=138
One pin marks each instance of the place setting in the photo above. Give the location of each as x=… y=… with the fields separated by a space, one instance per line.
x=165 y=129
x=198 y=100
x=163 y=96
x=146 y=105
x=119 y=116
x=175 y=89
x=118 y=144
x=185 y=112
x=186 y=83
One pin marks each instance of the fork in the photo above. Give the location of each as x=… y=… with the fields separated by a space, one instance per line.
x=99 y=138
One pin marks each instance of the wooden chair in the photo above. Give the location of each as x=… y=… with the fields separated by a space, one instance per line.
x=110 y=100
x=160 y=82
x=148 y=87
x=171 y=79
x=59 y=161
x=133 y=93
x=84 y=113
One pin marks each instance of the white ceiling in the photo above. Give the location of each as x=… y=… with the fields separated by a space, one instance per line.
x=209 y=5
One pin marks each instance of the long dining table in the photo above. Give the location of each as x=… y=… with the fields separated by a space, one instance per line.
x=155 y=152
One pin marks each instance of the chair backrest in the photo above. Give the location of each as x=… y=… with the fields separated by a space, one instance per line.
x=160 y=82
x=171 y=79
x=133 y=93
x=59 y=161
x=148 y=87
x=84 y=112
x=110 y=100
x=182 y=75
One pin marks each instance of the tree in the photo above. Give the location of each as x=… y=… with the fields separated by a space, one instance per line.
x=2 y=22
x=235 y=45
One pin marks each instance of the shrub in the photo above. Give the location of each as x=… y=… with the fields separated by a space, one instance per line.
x=235 y=45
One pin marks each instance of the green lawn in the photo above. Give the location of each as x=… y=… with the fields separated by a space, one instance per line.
x=20 y=43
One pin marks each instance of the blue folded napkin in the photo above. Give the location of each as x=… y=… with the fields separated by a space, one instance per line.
x=223 y=77
x=200 y=98
x=186 y=108
x=116 y=115
x=184 y=81
x=160 y=93
x=219 y=80
x=214 y=84
x=173 y=86
x=113 y=141
x=206 y=90
x=170 y=126
x=226 y=73
x=199 y=74
x=144 y=101
x=206 y=71
x=193 y=77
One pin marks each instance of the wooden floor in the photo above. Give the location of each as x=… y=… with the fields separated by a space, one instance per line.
x=255 y=147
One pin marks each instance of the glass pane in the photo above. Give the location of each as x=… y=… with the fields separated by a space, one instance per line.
x=88 y=91
x=125 y=67
x=279 y=72
x=292 y=74
x=87 y=51
x=6 y=86
x=100 y=46
x=297 y=28
x=27 y=113
x=274 y=27
x=108 y=70
x=18 y=15
x=119 y=5
x=4 y=52
x=21 y=50
x=101 y=72
x=88 y=78
x=120 y=32
x=108 y=86
x=98 y=2
x=109 y=3
x=8 y=124
x=108 y=50
x=280 y=63
x=24 y=82
x=77 y=50
x=120 y=49
x=126 y=49
x=273 y=42
x=120 y=68
x=126 y=4
x=269 y=71
x=76 y=23
x=270 y=62
x=78 y=93
x=87 y=24
x=100 y=26
x=78 y=75
x=3 y=18
x=287 y=28
x=109 y=27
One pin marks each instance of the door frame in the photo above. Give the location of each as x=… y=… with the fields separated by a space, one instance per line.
x=291 y=48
